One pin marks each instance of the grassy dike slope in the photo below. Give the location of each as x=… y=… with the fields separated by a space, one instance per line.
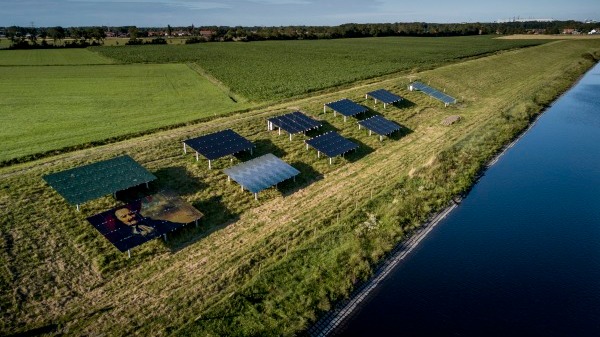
x=268 y=267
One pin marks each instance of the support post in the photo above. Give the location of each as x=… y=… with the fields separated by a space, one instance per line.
x=359 y=126
x=147 y=186
x=242 y=187
x=184 y=148
x=128 y=253
x=307 y=146
x=381 y=138
x=209 y=165
x=290 y=137
x=196 y=221
x=324 y=108
x=344 y=119
x=318 y=154
x=165 y=237
x=329 y=160
x=250 y=151
x=196 y=156
x=255 y=196
x=370 y=132
x=279 y=131
x=77 y=207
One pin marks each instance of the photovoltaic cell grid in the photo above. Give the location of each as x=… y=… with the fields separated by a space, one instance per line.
x=219 y=144
x=331 y=144
x=384 y=96
x=380 y=125
x=96 y=180
x=261 y=173
x=295 y=122
x=346 y=107
x=433 y=93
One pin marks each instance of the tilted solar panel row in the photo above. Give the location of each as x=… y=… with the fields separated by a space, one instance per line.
x=433 y=92
x=261 y=173
x=219 y=144
x=346 y=107
x=331 y=144
x=295 y=122
x=380 y=125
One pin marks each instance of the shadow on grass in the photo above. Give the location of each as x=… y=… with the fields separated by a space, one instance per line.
x=361 y=152
x=307 y=176
x=216 y=217
x=264 y=146
x=403 y=132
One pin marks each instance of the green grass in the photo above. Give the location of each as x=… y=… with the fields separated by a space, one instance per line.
x=267 y=267
x=264 y=71
x=47 y=108
x=53 y=57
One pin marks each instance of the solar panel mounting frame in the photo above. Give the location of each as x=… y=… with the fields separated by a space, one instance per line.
x=204 y=145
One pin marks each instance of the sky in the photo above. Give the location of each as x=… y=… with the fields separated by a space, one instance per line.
x=160 y=13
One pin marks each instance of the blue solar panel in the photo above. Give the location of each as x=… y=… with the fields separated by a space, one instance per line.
x=261 y=173
x=384 y=96
x=380 y=125
x=433 y=92
x=331 y=144
x=346 y=107
x=219 y=144
x=294 y=122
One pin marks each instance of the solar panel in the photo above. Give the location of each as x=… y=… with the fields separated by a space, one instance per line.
x=261 y=173
x=96 y=180
x=384 y=96
x=219 y=144
x=145 y=219
x=331 y=144
x=380 y=125
x=294 y=122
x=433 y=93
x=346 y=107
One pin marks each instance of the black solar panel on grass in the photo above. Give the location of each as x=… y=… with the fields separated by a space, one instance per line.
x=384 y=96
x=219 y=144
x=380 y=125
x=346 y=107
x=295 y=122
x=331 y=144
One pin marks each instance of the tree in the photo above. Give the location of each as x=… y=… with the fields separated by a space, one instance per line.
x=169 y=30
x=133 y=32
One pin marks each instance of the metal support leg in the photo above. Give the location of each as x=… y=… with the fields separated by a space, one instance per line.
x=77 y=207
x=209 y=165
x=255 y=196
x=196 y=156
x=128 y=253
x=329 y=160
x=184 y=148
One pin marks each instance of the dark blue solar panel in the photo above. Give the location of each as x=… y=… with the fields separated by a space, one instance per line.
x=433 y=92
x=380 y=125
x=331 y=144
x=295 y=122
x=346 y=107
x=384 y=96
x=219 y=144
x=261 y=173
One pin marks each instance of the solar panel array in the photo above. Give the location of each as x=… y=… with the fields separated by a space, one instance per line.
x=295 y=122
x=384 y=96
x=346 y=107
x=261 y=173
x=88 y=182
x=433 y=92
x=380 y=125
x=331 y=144
x=219 y=144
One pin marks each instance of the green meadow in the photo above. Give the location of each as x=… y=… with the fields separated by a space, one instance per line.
x=264 y=71
x=269 y=267
x=51 y=57
x=46 y=108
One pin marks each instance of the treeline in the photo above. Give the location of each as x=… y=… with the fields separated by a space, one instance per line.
x=22 y=36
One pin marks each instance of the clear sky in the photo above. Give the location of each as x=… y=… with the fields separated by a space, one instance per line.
x=159 y=13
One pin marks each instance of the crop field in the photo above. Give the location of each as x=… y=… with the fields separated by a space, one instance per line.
x=272 y=266
x=45 y=108
x=263 y=71
x=51 y=57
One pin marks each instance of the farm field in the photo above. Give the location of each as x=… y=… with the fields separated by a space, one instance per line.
x=46 y=108
x=51 y=57
x=272 y=266
x=264 y=71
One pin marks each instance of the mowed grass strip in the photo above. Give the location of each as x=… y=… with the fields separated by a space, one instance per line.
x=266 y=267
x=52 y=107
x=51 y=57
x=268 y=70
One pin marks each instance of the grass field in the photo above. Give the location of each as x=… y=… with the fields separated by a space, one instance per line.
x=263 y=71
x=45 y=108
x=52 y=57
x=266 y=267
